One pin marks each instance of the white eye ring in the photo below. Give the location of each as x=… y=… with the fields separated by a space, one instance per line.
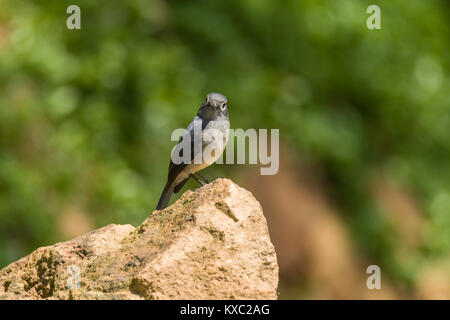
x=223 y=106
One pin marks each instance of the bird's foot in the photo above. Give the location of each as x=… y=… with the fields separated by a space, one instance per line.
x=197 y=179
x=204 y=179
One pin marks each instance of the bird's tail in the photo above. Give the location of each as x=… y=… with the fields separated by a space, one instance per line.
x=165 y=197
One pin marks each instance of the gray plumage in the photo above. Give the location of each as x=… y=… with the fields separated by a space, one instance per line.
x=212 y=117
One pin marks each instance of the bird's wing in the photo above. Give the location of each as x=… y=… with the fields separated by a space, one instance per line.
x=175 y=169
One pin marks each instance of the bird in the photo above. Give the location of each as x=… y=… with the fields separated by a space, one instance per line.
x=207 y=131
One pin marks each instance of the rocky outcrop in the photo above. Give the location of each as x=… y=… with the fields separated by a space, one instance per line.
x=210 y=244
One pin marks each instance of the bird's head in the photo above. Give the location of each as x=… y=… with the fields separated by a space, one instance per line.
x=214 y=106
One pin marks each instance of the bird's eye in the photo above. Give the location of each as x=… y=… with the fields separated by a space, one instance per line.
x=223 y=106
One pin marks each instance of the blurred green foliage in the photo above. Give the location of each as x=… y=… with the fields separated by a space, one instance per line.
x=86 y=115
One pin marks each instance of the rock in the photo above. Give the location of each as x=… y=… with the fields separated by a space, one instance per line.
x=210 y=244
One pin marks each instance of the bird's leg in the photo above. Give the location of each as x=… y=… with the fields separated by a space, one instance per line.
x=197 y=179
x=204 y=179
